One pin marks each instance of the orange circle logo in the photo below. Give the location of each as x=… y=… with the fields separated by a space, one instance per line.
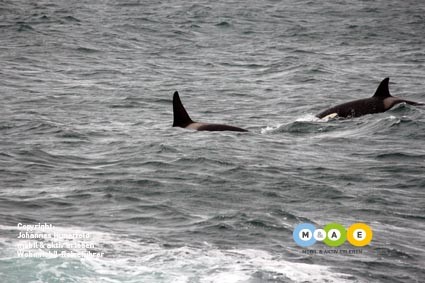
x=359 y=234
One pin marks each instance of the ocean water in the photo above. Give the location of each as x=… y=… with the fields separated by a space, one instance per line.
x=86 y=142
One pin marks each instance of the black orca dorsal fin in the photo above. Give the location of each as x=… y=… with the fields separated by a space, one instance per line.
x=181 y=118
x=382 y=91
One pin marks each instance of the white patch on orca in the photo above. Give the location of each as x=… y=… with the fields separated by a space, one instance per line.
x=330 y=116
x=389 y=102
x=194 y=126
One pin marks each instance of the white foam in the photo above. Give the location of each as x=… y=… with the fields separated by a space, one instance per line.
x=130 y=260
x=208 y=265
x=270 y=129
x=310 y=118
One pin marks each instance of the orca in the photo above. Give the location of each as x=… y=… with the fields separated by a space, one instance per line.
x=183 y=120
x=381 y=101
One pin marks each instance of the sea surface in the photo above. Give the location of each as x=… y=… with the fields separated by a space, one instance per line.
x=87 y=146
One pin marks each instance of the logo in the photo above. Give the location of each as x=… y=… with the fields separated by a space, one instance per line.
x=333 y=235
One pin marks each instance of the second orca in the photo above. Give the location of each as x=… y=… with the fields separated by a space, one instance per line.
x=183 y=120
x=381 y=101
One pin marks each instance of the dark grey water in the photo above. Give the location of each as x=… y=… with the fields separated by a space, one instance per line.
x=86 y=142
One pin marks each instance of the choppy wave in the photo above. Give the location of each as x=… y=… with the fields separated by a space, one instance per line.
x=159 y=263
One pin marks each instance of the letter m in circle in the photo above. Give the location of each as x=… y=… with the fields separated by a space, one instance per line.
x=305 y=234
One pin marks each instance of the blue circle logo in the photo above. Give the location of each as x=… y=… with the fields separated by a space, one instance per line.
x=304 y=234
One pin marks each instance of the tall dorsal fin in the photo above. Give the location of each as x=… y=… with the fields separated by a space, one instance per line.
x=181 y=118
x=382 y=91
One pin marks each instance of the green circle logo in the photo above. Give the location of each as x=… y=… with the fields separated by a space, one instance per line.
x=335 y=235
